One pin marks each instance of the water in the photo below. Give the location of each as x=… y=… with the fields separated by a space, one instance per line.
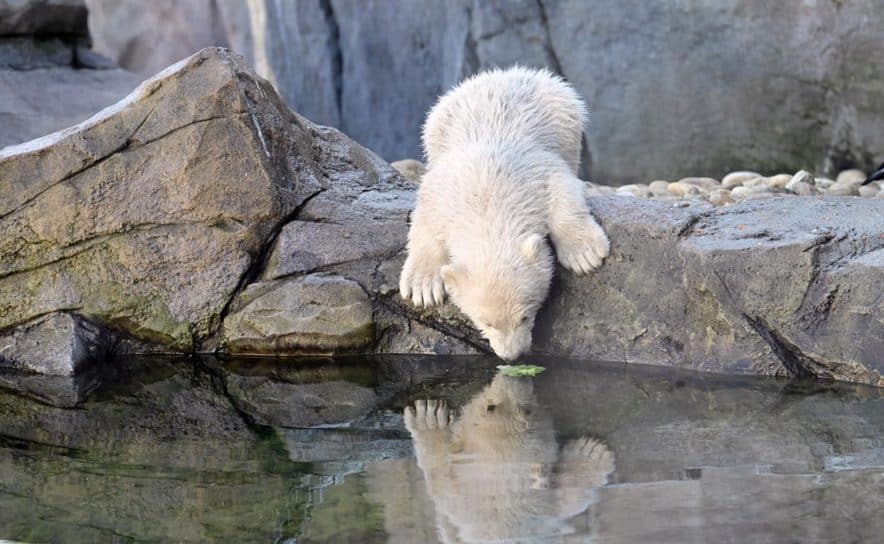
x=162 y=450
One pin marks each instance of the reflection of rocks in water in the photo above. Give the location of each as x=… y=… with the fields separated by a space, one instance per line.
x=496 y=471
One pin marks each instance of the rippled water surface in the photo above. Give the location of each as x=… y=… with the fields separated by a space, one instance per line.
x=405 y=449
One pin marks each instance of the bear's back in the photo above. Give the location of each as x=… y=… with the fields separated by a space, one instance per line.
x=517 y=106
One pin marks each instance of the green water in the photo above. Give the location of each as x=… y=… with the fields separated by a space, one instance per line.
x=159 y=450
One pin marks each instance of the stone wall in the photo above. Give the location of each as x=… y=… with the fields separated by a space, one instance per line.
x=675 y=89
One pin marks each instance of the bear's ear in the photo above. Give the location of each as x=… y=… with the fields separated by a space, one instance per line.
x=452 y=275
x=532 y=244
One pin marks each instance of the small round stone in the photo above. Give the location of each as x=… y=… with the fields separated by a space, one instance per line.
x=802 y=183
x=636 y=190
x=659 y=187
x=735 y=179
x=704 y=184
x=684 y=189
x=868 y=191
x=779 y=181
x=721 y=197
x=851 y=177
x=410 y=169
x=823 y=184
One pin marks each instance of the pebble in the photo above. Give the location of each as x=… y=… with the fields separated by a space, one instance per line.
x=659 y=187
x=635 y=189
x=410 y=169
x=756 y=182
x=704 y=184
x=868 y=191
x=802 y=183
x=779 y=181
x=744 y=192
x=684 y=189
x=851 y=177
x=823 y=183
x=737 y=178
x=721 y=197
x=743 y=185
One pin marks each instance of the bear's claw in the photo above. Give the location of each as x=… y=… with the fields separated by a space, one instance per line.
x=423 y=290
x=427 y=414
x=586 y=251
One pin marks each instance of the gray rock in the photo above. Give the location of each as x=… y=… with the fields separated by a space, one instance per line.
x=802 y=183
x=39 y=101
x=754 y=288
x=411 y=169
x=43 y=17
x=313 y=314
x=289 y=405
x=148 y=215
x=45 y=70
x=57 y=344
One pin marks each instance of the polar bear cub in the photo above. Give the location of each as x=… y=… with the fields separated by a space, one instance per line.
x=502 y=154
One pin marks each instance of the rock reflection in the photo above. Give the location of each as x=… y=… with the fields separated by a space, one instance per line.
x=496 y=472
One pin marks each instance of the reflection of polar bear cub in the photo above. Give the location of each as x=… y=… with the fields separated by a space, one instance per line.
x=496 y=473
x=502 y=151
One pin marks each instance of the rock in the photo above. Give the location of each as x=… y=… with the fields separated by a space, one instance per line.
x=313 y=314
x=743 y=191
x=756 y=182
x=763 y=282
x=683 y=189
x=659 y=188
x=640 y=191
x=868 y=191
x=43 y=18
x=297 y=405
x=735 y=179
x=802 y=184
x=133 y=221
x=46 y=70
x=779 y=181
x=721 y=197
x=410 y=169
x=823 y=183
x=847 y=183
x=705 y=184
x=57 y=344
x=342 y=63
x=851 y=177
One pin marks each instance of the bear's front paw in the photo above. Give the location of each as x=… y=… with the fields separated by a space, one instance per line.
x=427 y=415
x=423 y=286
x=583 y=251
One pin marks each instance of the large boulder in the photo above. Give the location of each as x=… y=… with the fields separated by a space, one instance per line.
x=676 y=89
x=147 y=216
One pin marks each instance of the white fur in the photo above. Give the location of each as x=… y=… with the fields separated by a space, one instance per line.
x=496 y=472
x=502 y=151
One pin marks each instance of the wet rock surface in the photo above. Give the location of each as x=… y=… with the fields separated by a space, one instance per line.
x=196 y=450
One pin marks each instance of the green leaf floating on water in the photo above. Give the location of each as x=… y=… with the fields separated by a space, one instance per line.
x=518 y=371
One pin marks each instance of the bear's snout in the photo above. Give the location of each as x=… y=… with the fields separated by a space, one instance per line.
x=510 y=346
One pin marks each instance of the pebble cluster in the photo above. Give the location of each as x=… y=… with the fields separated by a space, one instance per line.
x=745 y=185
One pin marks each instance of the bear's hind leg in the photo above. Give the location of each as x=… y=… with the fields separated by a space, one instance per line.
x=581 y=244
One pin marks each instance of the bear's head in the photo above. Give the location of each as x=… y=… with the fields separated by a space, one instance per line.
x=503 y=295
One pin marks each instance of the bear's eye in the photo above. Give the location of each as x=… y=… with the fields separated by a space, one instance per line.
x=524 y=319
x=490 y=408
